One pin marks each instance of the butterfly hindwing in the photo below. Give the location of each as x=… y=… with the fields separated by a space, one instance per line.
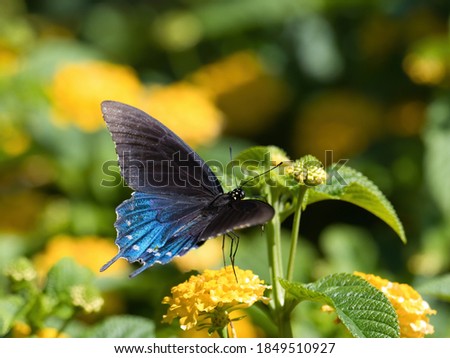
x=144 y=235
x=237 y=215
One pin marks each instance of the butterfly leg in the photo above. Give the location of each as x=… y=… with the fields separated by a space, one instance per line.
x=223 y=250
x=233 y=249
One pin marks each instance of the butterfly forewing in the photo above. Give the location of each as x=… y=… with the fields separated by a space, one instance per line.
x=154 y=159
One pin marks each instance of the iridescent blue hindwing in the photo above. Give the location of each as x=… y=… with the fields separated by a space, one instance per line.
x=154 y=229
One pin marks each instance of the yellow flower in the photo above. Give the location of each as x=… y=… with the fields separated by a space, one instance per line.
x=79 y=88
x=9 y=60
x=237 y=81
x=186 y=110
x=411 y=309
x=424 y=70
x=20 y=209
x=206 y=300
x=49 y=332
x=428 y=63
x=226 y=75
x=89 y=251
x=13 y=140
x=20 y=330
x=208 y=255
x=341 y=121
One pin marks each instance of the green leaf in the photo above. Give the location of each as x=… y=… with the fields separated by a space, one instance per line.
x=123 y=327
x=351 y=186
x=363 y=309
x=438 y=287
x=65 y=274
x=9 y=307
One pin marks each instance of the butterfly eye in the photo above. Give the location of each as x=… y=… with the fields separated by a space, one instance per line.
x=237 y=194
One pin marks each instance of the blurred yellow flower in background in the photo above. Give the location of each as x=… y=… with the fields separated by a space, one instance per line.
x=411 y=309
x=20 y=210
x=23 y=330
x=341 y=121
x=428 y=62
x=206 y=256
x=243 y=88
x=20 y=330
x=429 y=70
x=187 y=110
x=406 y=118
x=89 y=251
x=13 y=140
x=50 y=332
x=226 y=75
x=206 y=300
x=9 y=61
x=78 y=89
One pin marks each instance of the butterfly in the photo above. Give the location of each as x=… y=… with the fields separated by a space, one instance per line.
x=178 y=202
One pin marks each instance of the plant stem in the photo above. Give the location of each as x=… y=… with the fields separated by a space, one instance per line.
x=276 y=271
x=223 y=332
x=273 y=243
x=295 y=232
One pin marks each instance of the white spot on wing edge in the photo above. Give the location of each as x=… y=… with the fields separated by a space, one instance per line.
x=135 y=247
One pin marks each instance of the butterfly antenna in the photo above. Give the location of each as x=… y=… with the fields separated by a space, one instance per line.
x=259 y=175
x=232 y=168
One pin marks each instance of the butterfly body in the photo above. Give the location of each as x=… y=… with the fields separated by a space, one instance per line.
x=178 y=202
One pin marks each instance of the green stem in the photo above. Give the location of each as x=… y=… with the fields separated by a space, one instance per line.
x=223 y=332
x=295 y=232
x=276 y=271
x=273 y=243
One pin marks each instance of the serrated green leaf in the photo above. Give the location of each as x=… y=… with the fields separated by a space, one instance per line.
x=355 y=188
x=438 y=287
x=363 y=309
x=123 y=327
x=65 y=274
x=9 y=307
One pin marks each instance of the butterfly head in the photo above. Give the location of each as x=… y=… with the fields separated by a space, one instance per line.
x=237 y=194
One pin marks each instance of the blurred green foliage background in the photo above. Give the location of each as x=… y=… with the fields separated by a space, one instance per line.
x=366 y=80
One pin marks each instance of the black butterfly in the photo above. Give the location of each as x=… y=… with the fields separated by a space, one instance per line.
x=178 y=202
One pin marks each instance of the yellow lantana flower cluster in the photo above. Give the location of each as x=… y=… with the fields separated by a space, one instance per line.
x=411 y=309
x=206 y=300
